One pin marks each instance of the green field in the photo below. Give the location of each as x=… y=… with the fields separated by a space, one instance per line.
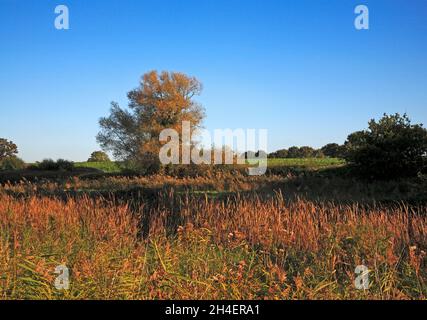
x=107 y=167
x=114 y=167
x=308 y=162
x=313 y=163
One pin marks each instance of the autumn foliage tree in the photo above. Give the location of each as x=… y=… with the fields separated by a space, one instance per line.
x=7 y=149
x=161 y=101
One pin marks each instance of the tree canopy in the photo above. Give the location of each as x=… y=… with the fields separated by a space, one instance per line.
x=333 y=150
x=161 y=101
x=389 y=148
x=98 y=156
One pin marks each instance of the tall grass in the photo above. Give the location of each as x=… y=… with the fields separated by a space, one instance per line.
x=306 y=185
x=201 y=248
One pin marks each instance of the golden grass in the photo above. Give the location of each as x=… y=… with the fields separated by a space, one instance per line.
x=202 y=248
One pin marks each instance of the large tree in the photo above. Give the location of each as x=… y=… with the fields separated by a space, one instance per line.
x=161 y=101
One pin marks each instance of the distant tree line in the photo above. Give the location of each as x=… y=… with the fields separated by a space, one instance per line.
x=52 y=165
x=331 y=150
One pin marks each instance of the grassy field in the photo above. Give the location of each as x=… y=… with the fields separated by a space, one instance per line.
x=220 y=236
x=308 y=163
x=108 y=167
x=315 y=163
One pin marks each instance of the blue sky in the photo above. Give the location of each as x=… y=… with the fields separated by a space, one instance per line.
x=297 y=68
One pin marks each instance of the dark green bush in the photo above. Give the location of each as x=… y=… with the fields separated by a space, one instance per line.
x=51 y=165
x=145 y=164
x=65 y=165
x=47 y=164
x=280 y=154
x=12 y=163
x=389 y=149
x=333 y=150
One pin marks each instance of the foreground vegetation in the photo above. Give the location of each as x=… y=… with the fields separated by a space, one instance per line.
x=226 y=236
x=263 y=249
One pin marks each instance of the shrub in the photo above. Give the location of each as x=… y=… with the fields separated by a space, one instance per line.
x=390 y=148
x=65 y=165
x=98 y=156
x=293 y=152
x=318 y=154
x=144 y=164
x=306 y=152
x=51 y=165
x=279 y=154
x=333 y=150
x=47 y=164
x=12 y=163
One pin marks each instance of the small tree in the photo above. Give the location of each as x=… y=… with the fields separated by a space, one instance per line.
x=293 y=152
x=318 y=153
x=283 y=153
x=333 y=150
x=7 y=149
x=389 y=148
x=51 y=165
x=98 y=156
x=306 y=152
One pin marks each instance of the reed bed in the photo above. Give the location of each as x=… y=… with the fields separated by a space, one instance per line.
x=196 y=247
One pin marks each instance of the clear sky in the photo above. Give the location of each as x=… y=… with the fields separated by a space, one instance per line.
x=297 y=68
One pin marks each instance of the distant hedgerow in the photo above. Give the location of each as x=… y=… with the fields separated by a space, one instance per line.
x=12 y=163
x=51 y=165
